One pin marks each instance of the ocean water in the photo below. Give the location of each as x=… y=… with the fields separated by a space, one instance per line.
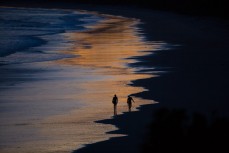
x=59 y=71
x=31 y=35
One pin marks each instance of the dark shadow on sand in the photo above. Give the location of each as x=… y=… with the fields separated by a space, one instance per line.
x=129 y=123
x=177 y=132
x=197 y=81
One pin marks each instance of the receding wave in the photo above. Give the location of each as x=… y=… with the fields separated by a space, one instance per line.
x=30 y=35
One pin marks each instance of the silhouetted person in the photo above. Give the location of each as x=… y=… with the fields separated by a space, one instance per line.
x=115 y=102
x=129 y=102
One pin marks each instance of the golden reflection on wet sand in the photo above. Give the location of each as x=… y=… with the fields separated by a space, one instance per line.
x=99 y=71
x=107 y=48
x=108 y=44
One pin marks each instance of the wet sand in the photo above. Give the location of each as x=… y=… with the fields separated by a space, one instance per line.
x=51 y=106
x=198 y=60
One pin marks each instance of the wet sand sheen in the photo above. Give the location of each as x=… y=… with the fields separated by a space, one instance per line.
x=105 y=48
x=89 y=80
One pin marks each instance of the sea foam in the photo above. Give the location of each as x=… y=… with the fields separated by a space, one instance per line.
x=29 y=35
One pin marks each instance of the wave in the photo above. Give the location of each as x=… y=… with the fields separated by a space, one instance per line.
x=26 y=30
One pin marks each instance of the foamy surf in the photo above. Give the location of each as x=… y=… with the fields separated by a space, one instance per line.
x=29 y=35
x=50 y=105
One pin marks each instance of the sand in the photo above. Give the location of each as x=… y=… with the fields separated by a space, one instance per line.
x=51 y=106
x=192 y=68
x=197 y=62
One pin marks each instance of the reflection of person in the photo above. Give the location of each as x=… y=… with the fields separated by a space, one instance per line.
x=115 y=102
x=129 y=102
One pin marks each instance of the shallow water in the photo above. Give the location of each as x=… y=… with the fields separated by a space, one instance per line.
x=51 y=106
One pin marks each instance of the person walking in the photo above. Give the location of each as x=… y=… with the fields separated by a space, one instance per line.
x=129 y=102
x=115 y=102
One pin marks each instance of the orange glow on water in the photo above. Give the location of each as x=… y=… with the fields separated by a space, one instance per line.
x=85 y=83
x=107 y=47
x=108 y=43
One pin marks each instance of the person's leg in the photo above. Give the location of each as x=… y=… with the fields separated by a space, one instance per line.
x=129 y=106
x=115 y=109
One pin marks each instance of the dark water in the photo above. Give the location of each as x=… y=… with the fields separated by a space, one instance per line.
x=59 y=71
x=30 y=35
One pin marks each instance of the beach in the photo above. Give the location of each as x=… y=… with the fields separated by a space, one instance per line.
x=185 y=69
x=51 y=99
x=192 y=75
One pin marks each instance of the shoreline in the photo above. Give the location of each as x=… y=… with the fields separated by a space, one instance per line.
x=191 y=85
x=57 y=83
x=171 y=90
